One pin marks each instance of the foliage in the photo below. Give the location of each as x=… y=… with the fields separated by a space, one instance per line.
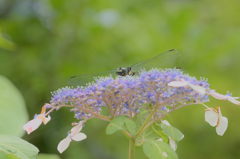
x=13 y=112
x=17 y=147
x=58 y=39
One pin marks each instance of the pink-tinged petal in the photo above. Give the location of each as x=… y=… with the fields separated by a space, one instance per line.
x=79 y=137
x=76 y=128
x=197 y=88
x=63 y=145
x=177 y=84
x=32 y=125
x=211 y=116
x=218 y=95
x=166 y=122
x=172 y=144
x=222 y=126
x=234 y=101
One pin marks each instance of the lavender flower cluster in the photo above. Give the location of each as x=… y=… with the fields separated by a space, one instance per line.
x=126 y=95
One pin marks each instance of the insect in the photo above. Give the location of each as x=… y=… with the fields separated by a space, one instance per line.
x=158 y=61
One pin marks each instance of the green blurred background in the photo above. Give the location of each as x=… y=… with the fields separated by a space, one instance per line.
x=44 y=42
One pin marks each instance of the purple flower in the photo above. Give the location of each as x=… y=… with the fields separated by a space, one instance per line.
x=125 y=95
x=158 y=91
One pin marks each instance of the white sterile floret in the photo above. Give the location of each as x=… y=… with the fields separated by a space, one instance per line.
x=184 y=83
x=224 y=97
x=215 y=118
x=73 y=135
x=37 y=121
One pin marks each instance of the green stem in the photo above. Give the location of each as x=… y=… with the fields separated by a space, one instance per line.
x=144 y=124
x=131 y=149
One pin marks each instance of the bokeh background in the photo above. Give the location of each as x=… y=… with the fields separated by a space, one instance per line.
x=44 y=42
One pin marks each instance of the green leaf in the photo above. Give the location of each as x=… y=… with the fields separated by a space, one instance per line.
x=163 y=136
x=115 y=125
x=143 y=111
x=47 y=156
x=130 y=126
x=158 y=150
x=146 y=135
x=18 y=147
x=7 y=156
x=141 y=117
x=6 y=44
x=13 y=114
x=157 y=128
x=172 y=132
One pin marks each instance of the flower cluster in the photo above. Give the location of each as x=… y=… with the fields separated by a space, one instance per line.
x=125 y=95
x=161 y=91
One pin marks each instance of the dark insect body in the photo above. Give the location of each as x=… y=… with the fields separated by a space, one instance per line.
x=158 y=61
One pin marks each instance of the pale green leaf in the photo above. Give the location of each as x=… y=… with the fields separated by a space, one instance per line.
x=157 y=128
x=47 y=156
x=6 y=44
x=115 y=125
x=143 y=111
x=7 y=156
x=18 y=147
x=140 y=118
x=146 y=135
x=172 y=132
x=158 y=150
x=13 y=114
x=130 y=126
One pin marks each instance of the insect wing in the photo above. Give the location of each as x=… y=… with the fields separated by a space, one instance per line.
x=82 y=80
x=158 y=61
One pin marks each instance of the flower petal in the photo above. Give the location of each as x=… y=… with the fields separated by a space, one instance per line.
x=218 y=95
x=177 y=84
x=32 y=125
x=63 y=145
x=47 y=120
x=79 y=137
x=224 y=97
x=234 y=101
x=166 y=122
x=197 y=88
x=44 y=119
x=211 y=116
x=222 y=126
x=172 y=144
x=77 y=128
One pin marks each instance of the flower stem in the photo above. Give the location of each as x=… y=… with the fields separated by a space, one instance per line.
x=144 y=124
x=131 y=148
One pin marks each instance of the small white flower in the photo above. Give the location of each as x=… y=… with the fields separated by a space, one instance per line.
x=215 y=118
x=73 y=135
x=184 y=83
x=37 y=121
